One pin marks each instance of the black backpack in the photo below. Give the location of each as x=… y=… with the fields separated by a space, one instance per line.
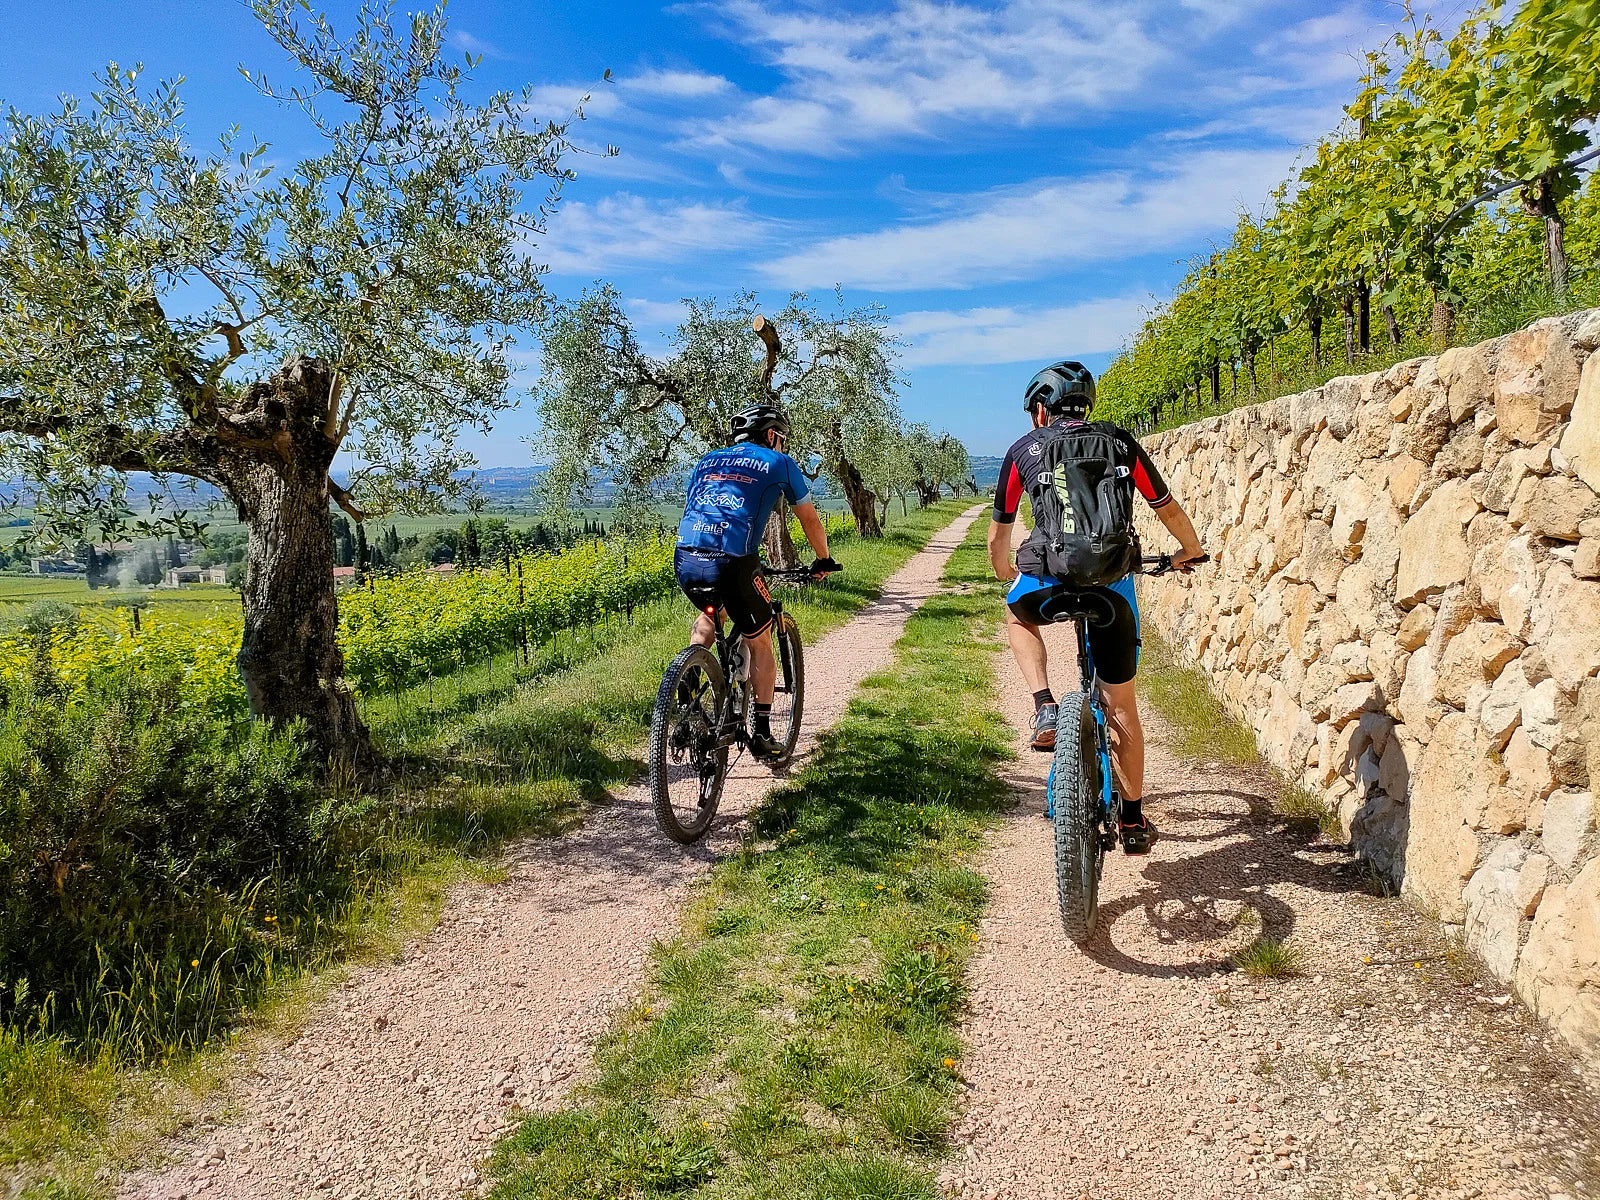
x=1082 y=495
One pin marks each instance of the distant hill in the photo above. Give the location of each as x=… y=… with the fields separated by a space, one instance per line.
x=986 y=470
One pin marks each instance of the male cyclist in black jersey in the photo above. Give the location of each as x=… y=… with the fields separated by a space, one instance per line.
x=1064 y=393
x=732 y=492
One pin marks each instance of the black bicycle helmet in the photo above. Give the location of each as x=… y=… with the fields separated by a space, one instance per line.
x=1064 y=388
x=750 y=423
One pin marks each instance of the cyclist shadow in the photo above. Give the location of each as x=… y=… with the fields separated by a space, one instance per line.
x=1199 y=909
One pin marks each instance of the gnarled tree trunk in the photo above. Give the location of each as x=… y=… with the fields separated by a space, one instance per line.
x=859 y=498
x=290 y=659
x=777 y=541
x=1540 y=201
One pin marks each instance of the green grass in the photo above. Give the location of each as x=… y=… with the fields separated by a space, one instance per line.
x=490 y=753
x=1268 y=958
x=1180 y=693
x=798 y=1039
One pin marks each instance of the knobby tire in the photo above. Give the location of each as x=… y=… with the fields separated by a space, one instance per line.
x=1079 y=853
x=692 y=664
x=791 y=676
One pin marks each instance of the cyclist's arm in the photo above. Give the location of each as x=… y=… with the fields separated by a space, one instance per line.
x=1007 y=496
x=1179 y=526
x=811 y=525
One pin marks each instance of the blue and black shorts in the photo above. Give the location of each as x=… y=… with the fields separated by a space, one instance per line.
x=731 y=582
x=1114 y=643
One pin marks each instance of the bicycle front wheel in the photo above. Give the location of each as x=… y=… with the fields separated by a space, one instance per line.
x=687 y=765
x=789 y=696
x=1075 y=791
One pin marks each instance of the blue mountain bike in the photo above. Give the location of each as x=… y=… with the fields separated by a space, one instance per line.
x=1081 y=798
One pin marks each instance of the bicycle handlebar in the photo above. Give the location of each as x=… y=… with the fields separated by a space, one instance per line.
x=797 y=574
x=1162 y=563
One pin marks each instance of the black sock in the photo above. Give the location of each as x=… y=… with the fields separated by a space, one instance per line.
x=1133 y=812
x=763 y=719
x=1043 y=697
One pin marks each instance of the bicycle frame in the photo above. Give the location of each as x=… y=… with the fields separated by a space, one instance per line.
x=731 y=727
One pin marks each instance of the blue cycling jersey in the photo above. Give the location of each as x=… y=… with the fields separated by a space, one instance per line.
x=732 y=492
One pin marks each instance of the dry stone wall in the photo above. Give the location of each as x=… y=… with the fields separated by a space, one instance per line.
x=1406 y=608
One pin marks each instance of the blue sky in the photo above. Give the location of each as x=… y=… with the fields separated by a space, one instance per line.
x=1014 y=181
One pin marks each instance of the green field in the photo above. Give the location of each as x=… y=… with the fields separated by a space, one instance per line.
x=19 y=592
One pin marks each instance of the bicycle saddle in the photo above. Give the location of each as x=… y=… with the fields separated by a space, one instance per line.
x=1062 y=603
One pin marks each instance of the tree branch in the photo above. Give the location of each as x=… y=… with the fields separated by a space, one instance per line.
x=344 y=500
x=769 y=336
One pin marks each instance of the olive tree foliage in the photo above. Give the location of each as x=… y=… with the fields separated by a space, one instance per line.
x=199 y=314
x=612 y=410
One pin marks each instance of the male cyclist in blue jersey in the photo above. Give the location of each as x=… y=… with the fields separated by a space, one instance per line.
x=732 y=492
x=1063 y=394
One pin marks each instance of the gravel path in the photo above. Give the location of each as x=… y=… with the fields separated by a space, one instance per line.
x=1144 y=1067
x=403 y=1080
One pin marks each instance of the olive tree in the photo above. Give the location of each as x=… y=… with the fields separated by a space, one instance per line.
x=611 y=408
x=199 y=314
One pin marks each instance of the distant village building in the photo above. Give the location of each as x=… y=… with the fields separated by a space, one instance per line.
x=177 y=577
x=50 y=565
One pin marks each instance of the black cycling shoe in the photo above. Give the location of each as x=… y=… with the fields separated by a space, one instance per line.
x=765 y=748
x=1044 y=727
x=1138 y=838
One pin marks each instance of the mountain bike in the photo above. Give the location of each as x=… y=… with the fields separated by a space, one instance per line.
x=702 y=712
x=1081 y=797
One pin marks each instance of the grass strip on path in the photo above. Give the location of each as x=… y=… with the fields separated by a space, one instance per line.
x=485 y=755
x=798 y=1038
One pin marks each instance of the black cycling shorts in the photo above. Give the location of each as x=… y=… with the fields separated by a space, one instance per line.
x=731 y=582
x=1114 y=644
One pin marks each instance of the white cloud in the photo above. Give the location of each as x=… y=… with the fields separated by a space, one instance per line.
x=589 y=239
x=677 y=85
x=857 y=77
x=556 y=101
x=462 y=40
x=661 y=313
x=984 y=336
x=1047 y=226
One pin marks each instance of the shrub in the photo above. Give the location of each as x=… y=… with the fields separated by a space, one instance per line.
x=137 y=833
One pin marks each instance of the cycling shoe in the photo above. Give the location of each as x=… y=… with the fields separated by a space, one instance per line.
x=766 y=748
x=1044 y=727
x=1137 y=839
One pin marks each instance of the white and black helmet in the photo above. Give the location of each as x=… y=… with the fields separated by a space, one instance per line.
x=750 y=423
x=1064 y=389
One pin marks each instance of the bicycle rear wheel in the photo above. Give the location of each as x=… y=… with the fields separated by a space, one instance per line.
x=1075 y=792
x=687 y=767
x=789 y=697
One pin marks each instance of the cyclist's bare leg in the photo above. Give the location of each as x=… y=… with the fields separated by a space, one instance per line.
x=1127 y=737
x=1027 y=647
x=763 y=666
x=704 y=633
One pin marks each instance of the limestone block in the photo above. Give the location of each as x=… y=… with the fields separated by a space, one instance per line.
x=1532 y=879
x=1429 y=428
x=1286 y=732
x=1460 y=456
x=1586 y=563
x=1380 y=543
x=1558 y=975
x=1405 y=474
x=1501 y=711
x=1536 y=381
x=1348 y=703
x=1415 y=705
x=1465 y=374
x=1581 y=441
x=1509 y=474
x=1308 y=411
x=1367 y=772
x=1377 y=727
x=1523 y=561
x=1559 y=504
x=1528 y=772
x=1321 y=563
x=1354 y=658
x=1572 y=648
x=1415 y=627
x=1400 y=404
x=1386 y=663
x=1440 y=848
x=1329 y=465
x=1544 y=710
x=1568 y=822
x=1522 y=503
x=1588 y=725
x=1400 y=756
x=1433 y=545
x=1333 y=627
x=1494 y=918
x=1457 y=610
x=1322 y=680
x=1476 y=655
x=1354 y=499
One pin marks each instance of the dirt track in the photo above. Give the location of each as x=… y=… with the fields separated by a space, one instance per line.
x=403 y=1080
x=1146 y=1067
